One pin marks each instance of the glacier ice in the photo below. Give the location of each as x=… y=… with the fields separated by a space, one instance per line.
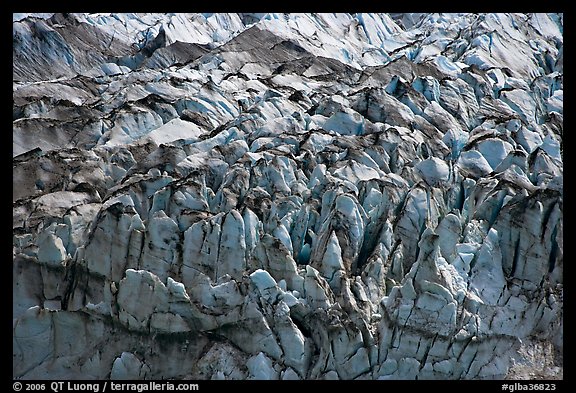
x=288 y=196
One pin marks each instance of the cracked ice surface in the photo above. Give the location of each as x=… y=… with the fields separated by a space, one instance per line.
x=287 y=196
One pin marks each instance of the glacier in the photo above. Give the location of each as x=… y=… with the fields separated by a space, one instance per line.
x=287 y=196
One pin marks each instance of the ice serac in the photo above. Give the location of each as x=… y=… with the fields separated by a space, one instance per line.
x=277 y=196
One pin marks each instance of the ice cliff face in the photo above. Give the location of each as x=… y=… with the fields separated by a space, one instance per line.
x=287 y=196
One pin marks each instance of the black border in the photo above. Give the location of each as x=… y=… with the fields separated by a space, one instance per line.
x=323 y=6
